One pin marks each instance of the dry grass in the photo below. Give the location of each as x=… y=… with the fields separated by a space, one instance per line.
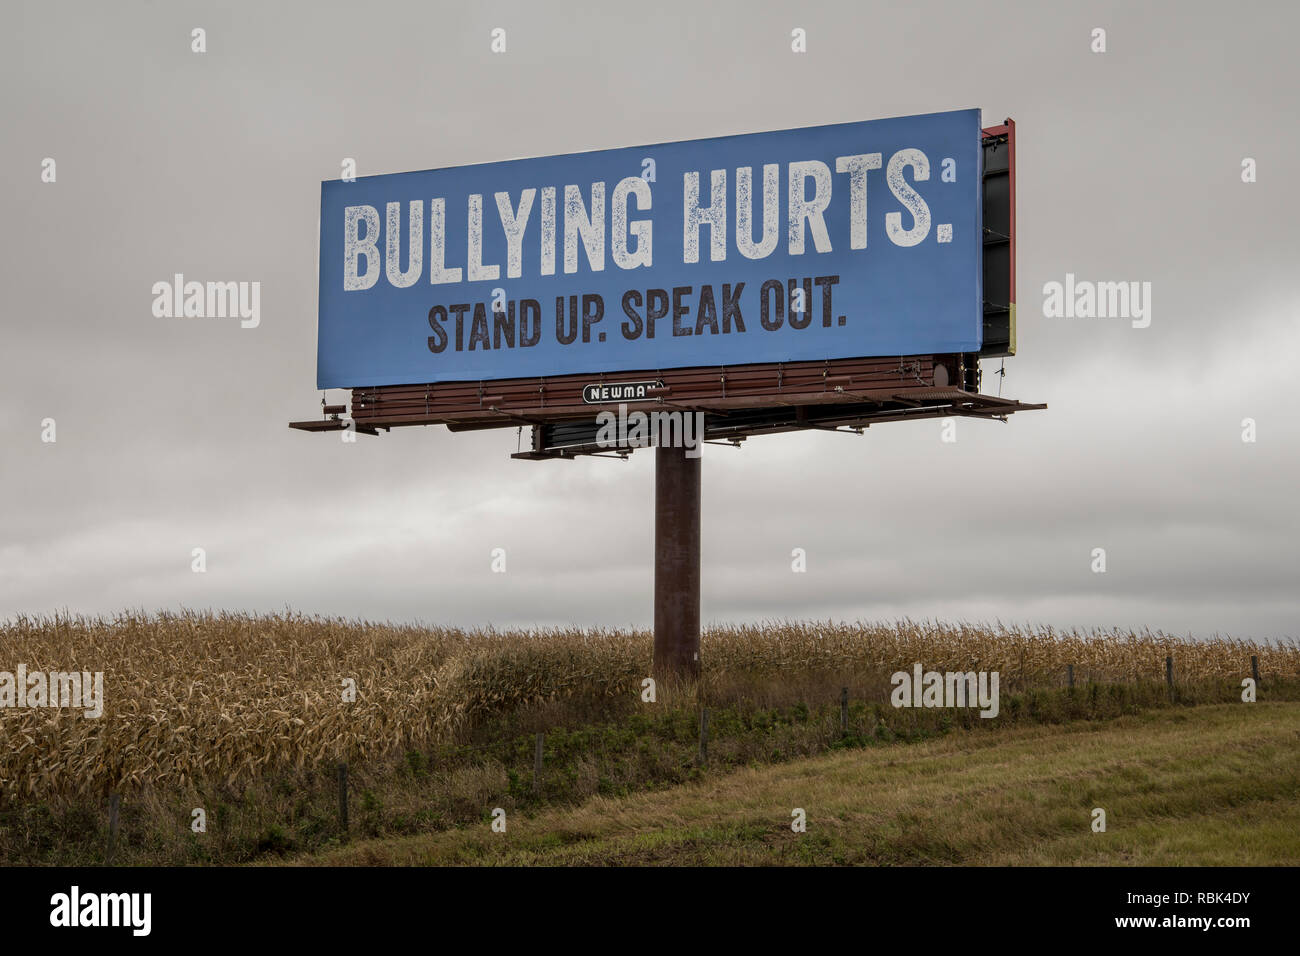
x=225 y=698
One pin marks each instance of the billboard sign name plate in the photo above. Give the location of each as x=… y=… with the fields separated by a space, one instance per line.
x=601 y=392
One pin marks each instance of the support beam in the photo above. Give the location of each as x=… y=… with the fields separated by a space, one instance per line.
x=677 y=564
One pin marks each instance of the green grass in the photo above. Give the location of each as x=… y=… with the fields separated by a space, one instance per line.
x=1210 y=785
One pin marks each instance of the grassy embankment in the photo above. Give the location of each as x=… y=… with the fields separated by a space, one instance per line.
x=1216 y=785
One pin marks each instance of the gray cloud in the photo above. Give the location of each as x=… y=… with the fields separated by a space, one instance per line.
x=172 y=433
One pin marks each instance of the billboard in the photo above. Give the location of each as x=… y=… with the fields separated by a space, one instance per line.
x=850 y=240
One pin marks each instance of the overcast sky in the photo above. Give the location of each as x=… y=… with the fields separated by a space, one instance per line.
x=171 y=433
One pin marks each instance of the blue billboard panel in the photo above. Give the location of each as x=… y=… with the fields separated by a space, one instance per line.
x=844 y=241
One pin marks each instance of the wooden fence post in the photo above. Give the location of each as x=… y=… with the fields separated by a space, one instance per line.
x=844 y=711
x=537 y=762
x=114 y=807
x=1069 y=675
x=1254 y=669
x=704 y=735
x=343 y=797
x=1169 y=676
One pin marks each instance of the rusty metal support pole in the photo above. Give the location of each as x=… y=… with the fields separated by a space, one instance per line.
x=677 y=563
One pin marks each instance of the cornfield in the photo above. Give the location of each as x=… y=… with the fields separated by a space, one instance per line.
x=226 y=697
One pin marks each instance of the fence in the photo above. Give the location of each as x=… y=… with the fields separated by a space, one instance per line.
x=462 y=751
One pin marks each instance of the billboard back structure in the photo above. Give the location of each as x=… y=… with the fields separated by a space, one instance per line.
x=843 y=241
